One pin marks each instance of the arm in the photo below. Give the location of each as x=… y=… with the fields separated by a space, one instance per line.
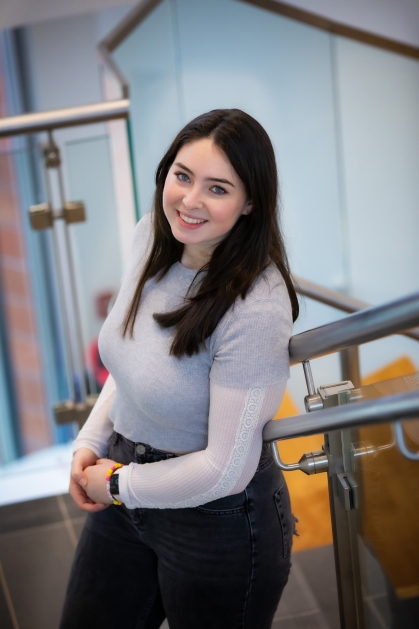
x=225 y=467
x=98 y=427
x=90 y=444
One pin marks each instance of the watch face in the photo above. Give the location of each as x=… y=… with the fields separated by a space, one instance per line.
x=114 y=484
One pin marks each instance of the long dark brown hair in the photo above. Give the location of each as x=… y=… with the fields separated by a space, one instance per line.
x=252 y=244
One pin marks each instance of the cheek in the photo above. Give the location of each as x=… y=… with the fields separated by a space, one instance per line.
x=169 y=195
x=228 y=213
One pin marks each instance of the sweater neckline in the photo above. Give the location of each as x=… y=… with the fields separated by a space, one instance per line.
x=186 y=271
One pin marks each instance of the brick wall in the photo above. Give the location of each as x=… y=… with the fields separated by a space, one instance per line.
x=19 y=308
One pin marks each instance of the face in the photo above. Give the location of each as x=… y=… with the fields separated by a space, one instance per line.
x=203 y=197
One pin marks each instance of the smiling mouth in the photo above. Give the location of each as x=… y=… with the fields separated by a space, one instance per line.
x=192 y=221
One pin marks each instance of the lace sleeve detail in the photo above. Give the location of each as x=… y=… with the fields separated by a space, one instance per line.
x=225 y=467
x=240 y=452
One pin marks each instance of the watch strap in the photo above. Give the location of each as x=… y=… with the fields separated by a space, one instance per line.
x=114 y=485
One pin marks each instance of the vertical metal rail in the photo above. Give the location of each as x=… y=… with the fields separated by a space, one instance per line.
x=344 y=523
x=79 y=350
x=68 y=358
x=57 y=213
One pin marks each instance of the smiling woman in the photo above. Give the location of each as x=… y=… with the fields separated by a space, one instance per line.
x=200 y=211
x=197 y=348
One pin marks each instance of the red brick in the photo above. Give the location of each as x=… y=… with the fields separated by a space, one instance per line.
x=5 y=143
x=25 y=354
x=7 y=171
x=11 y=243
x=19 y=318
x=10 y=213
x=34 y=430
x=15 y=282
x=30 y=391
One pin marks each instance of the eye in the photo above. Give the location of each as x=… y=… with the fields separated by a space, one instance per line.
x=218 y=190
x=182 y=177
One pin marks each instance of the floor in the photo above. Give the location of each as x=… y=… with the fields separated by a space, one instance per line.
x=37 y=541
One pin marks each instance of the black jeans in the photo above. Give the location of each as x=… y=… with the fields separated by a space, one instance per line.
x=222 y=565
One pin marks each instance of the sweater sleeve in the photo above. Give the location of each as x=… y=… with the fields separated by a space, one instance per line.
x=236 y=420
x=98 y=427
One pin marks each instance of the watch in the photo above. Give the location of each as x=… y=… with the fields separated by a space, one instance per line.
x=114 y=485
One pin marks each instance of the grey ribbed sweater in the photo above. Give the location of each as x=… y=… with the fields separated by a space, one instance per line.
x=212 y=405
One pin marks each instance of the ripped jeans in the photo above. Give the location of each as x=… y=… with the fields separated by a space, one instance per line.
x=222 y=565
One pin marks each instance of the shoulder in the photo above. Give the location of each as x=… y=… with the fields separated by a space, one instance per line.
x=268 y=295
x=265 y=311
x=250 y=344
x=143 y=229
x=142 y=241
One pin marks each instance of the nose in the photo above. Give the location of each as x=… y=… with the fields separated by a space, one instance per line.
x=192 y=199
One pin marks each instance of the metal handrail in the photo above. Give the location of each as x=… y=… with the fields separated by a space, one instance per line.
x=60 y=118
x=383 y=410
x=337 y=300
x=329 y=297
x=119 y=34
x=356 y=329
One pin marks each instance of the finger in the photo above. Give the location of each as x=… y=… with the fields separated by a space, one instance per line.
x=77 y=470
x=78 y=494
x=82 y=500
x=82 y=458
x=80 y=478
x=86 y=504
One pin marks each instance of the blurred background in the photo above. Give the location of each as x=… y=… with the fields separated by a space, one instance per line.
x=336 y=86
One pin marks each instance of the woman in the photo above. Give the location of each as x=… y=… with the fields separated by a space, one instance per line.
x=197 y=348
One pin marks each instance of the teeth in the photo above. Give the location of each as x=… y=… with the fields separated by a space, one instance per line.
x=191 y=221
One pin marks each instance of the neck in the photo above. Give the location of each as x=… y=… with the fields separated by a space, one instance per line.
x=194 y=258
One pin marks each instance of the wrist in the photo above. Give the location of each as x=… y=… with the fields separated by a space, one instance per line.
x=114 y=486
x=112 y=483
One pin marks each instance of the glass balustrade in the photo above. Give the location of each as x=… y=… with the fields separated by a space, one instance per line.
x=384 y=463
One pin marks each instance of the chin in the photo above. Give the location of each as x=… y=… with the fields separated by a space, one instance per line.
x=182 y=237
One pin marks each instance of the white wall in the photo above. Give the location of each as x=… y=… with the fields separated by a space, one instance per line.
x=396 y=19
x=64 y=62
x=23 y=12
x=379 y=116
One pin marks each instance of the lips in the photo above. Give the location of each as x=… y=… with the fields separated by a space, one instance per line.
x=190 y=222
x=190 y=219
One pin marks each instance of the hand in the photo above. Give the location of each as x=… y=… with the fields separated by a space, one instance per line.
x=95 y=479
x=82 y=460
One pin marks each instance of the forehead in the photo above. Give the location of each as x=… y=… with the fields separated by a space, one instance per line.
x=204 y=158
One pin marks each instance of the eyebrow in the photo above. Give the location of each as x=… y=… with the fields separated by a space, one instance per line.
x=208 y=178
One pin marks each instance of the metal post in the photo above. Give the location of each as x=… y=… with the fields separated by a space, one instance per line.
x=344 y=522
x=348 y=575
x=79 y=350
x=75 y=366
x=68 y=358
x=349 y=364
x=309 y=377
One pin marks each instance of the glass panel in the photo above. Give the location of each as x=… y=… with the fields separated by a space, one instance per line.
x=379 y=120
x=96 y=241
x=148 y=60
x=388 y=514
x=32 y=348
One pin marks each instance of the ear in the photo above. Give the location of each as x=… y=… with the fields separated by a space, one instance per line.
x=247 y=208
